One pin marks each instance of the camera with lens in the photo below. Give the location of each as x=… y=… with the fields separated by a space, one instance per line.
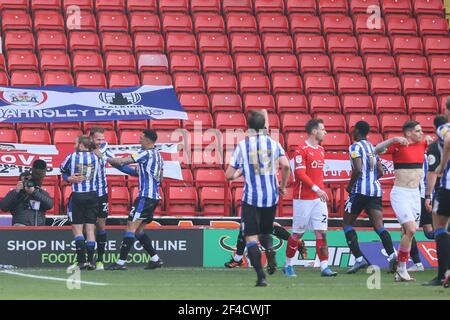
x=29 y=183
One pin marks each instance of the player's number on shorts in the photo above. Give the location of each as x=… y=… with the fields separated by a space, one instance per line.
x=133 y=209
x=324 y=220
x=105 y=207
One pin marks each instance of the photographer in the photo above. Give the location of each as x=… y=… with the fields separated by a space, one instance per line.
x=27 y=203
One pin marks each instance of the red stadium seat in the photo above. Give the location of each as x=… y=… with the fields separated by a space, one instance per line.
x=261 y=6
x=107 y=125
x=83 y=40
x=142 y=21
x=65 y=125
x=252 y=82
x=310 y=62
x=404 y=44
x=411 y=64
x=183 y=200
x=439 y=65
x=194 y=101
x=342 y=43
x=319 y=84
x=336 y=141
x=21 y=78
x=426 y=122
x=208 y=22
x=230 y=120
x=166 y=124
x=119 y=200
x=366 y=24
x=22 y=60
x=371 y=119
x=392 y=122
x=15 y=20
x=352 y=84
x=64 y=136
x=14 y=4
x=176 y=22
x=226 y=102
x=188 y=180
x=375 y=63
x=86 y=22
x=395 y=6
x=48 y=20
x=35 y=136
x=221 y=82
x=333 y=122
x=209 y=178
x=254 y=101
x=123 y=79
x=401 y=24
x=211 y=159
x=286 y=82
x=116 y=41
x=422 y=104
x=8 y=136
x=245 y=42
x=390 y=104
x=432 y=7
x=177 y=41
x=249 y=62
x=84 y=5
x=197 y=119
x=54 y=61
x=212 y=200
x=152 y=62
x=241 y=22
x=188 y=82
x=173 y=6
x=212 y=42
x=151 y=42
x=432 y=25
x=281 y=62
x=184 y=61
x=112 y=21
x=119 y=61
x=336 y=24
x=57 y=78
x=277 y=43
x=301 y=6
x=19 y=39
x=138 y=5
x=155 y=79
x=294 y=121
x=382 y=84
x=293 y=139
x=87 y=61
x=51 y=40
x=375 y=138
x=129 y=137
x=272 y=22
x=217 y=62
x=442 y=84
x=357 y=103
x=324 y=103
x=305 y=23
x=347 y=63
x=110 y=5
x=417 y=84
x=132 y=124
x=333 y=6
x=90 y=79
x=274 y=123
x=374 y=43
x=205 y=6
x=291 y=102
x=237 y=6
x=34 y=125
x=199 y=140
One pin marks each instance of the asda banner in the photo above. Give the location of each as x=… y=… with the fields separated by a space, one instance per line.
x=220 y=244
x=68 y=103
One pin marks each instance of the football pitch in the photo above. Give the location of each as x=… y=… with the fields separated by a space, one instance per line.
x=208 y=284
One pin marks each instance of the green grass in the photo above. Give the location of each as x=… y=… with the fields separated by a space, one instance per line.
x=218 y=283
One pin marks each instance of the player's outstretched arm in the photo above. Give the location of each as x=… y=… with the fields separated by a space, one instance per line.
x=382 y=146
x=380 y=171
x=120 y=162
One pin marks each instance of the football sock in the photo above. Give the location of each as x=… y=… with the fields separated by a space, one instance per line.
x=281 y=233
x=101 y=244
x=442 y=249
x=352 y=241
x=291 y=248
x=127 y=243
x=322 y=253
x=266 y=241
x=414 y=251
x=255 y=258
x=386 y=240
x=146 y=243
x=240 y=245
x=90 y=247
x=80 y=246
x=403 y=255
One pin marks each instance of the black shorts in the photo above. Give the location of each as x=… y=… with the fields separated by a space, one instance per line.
x=256 y=220
x=425 y=217
x=83 y=207
x=443 y=202
x=103 y=206
x=143 y=209
x=356 y=202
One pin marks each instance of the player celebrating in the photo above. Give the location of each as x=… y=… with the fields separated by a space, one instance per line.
x=365 y=193
x=407 y=154
x=310 y=209
x=150 y=173
x=81 y=169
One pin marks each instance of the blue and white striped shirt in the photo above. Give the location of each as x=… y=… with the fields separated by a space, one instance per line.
x=368 y=183
x=442 y=131
x=150 y=167
x=87 y=164
x=257 y=157
x=102 y=181
x=423 y=181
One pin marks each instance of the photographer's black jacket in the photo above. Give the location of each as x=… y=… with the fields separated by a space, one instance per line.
x=19 y=206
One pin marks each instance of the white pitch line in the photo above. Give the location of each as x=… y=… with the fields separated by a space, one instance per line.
x=26 y=275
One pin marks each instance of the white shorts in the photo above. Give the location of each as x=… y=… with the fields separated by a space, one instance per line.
x=309 y=215
x=406 y=204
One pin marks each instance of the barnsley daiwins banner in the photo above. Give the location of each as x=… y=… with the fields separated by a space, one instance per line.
x=68 y=103
x=17 y=158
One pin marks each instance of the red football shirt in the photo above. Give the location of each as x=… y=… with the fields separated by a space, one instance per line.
x=408 y=157
x=309 y=162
